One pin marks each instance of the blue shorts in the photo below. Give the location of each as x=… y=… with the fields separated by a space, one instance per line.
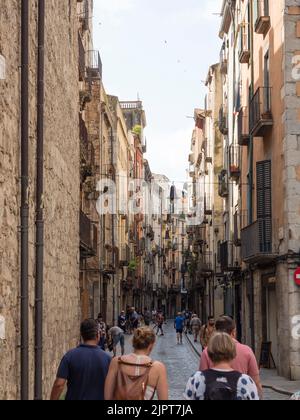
x=179 y=331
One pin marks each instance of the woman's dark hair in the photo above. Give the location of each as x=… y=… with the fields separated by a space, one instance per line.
x=89 y=330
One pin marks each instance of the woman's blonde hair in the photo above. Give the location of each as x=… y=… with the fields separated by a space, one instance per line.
x=221 y=348
x=143 y=338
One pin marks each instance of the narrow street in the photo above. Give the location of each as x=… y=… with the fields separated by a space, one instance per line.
x=148 y=171
x=181 y=360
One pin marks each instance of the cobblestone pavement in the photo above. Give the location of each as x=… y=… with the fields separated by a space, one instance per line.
x=270 y=395
x=181 y=361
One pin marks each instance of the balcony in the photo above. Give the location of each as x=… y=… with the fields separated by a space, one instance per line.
x=263 y=19
x=127 y=284
x=124 y=256
x=132 y=236
x=224 y=60
x=131 y=105
x=234 y=161
x=244 y=54
x=84 y=140
x=84 y=15
x=208 y=207
x=81 y=59
x=206 y=266
x=207 y=152
x=261 y=118
x=109 y=265
x=243 y=127
x=94 y=64
x=223 y=184
x=227 y=260
x=199 y=235
x=174 y=289
x=257 y=242
x=240 y=219
x=150 y=233
x=223 y=121
x=174 y=266
x=88 y=237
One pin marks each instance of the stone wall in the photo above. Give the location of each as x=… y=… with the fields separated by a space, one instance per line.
x=291 y=119
x=61 y=198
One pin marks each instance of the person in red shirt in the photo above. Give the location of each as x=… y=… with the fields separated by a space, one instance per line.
x=245 y=361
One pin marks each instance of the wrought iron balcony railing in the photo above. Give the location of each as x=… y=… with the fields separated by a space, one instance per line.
x=223 y=184
x=94 y=64
x=257 y=242
x=261 y=118
x=88 y=237
x=234 y=161
x=243 y=127
x=223 y=121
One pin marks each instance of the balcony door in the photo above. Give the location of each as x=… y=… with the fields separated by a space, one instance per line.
x=264 y=204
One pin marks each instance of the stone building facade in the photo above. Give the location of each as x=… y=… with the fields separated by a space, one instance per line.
x=259 y=119
x=61 y=197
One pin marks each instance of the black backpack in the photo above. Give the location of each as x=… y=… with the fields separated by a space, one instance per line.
x=221 y=386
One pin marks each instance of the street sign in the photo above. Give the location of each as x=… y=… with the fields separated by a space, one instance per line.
x=297 y=276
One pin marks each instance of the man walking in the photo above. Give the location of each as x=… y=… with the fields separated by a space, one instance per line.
x=196 y=326
x=160 y=322
x=134 y=320
x=179 y=326
x=102 y=331
x=117 y=337
x=122 y=321
x=245 y=361
x=147 y=317
x=83 y=369
x=207 y=331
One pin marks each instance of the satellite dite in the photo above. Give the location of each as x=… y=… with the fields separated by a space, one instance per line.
x=2 y=68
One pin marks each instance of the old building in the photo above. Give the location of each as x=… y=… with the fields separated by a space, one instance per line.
x=61 y=307
x=135 y=118
x=261 y=112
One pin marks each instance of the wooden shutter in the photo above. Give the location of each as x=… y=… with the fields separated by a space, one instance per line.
x=264 y=204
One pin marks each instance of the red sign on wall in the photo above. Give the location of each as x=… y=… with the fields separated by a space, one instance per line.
x=297 y=276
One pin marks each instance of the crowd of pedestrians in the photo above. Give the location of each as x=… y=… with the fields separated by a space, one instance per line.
x=228 y=370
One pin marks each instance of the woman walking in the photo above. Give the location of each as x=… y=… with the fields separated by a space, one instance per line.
x=137 y=377
x=221 y=382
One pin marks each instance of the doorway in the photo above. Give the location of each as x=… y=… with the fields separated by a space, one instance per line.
x=270 y=316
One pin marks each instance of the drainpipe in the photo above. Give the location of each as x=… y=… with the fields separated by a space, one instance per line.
x=250 y=193
x=38 y=384
x=24 y=210
x=113 y=227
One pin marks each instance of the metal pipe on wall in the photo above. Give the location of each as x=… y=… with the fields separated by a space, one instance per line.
x=24 y=210
x=38 y=383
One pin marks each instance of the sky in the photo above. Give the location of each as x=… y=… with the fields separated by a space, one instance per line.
x=160 y=51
